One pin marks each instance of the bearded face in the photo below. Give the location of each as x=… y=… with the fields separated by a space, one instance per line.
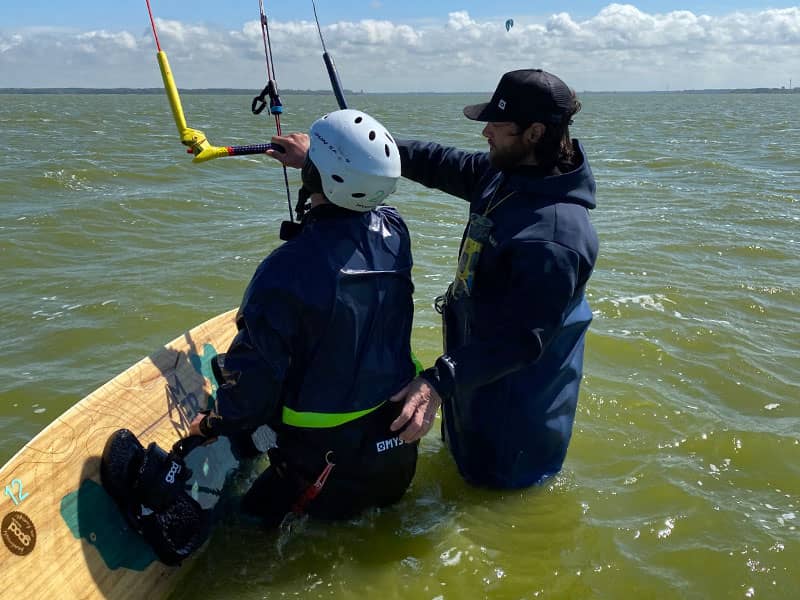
x=508 y=145
x=511 y=154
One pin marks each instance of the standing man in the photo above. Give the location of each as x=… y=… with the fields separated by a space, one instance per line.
x=324 y=337
x=515 y=315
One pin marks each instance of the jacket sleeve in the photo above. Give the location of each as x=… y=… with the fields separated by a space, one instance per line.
x=253 y=370
x=249 y=396
x=447 y=169
x=543 y=282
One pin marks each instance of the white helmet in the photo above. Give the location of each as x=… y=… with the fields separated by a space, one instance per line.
x=358 y=161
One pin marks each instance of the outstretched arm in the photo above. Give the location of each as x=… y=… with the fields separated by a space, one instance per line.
x=453 y=171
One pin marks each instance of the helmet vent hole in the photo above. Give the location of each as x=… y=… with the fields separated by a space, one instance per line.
x=358 y=195
x=337 y=178
x=371 y=136
x=359 y=119
x=386 y=149
x=386 y=133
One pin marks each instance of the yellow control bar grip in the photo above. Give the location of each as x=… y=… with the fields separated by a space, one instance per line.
x=172 y=92
x=193 y=138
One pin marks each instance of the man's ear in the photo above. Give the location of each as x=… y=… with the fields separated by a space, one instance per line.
x=534 y=132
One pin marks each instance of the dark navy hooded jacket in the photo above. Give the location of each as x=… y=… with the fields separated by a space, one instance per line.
x=514 y=351
x=324 y=325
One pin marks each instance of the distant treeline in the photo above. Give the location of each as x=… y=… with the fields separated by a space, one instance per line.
x=707 y=91
x=746 y=91
x=239 y=92
x=222 y=91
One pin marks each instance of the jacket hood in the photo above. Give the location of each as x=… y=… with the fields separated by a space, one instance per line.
x=578 y=185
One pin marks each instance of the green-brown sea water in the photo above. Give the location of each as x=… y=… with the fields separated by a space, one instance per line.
x=683 y=477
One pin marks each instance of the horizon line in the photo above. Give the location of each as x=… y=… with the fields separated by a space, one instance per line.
x=212 y=90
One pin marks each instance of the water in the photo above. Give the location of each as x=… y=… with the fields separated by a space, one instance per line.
x=682 y=478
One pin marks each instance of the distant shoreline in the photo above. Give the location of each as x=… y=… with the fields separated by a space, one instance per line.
x=237 y=92
x=218 y=91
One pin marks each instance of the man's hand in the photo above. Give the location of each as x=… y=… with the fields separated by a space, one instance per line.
x=419 y=410
x=295 y=147
x=194 y=426
x=194 y=429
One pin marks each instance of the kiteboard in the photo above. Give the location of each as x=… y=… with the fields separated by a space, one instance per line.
x=62 y=534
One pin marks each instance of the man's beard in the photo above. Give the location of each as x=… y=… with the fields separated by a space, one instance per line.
x=509 y=157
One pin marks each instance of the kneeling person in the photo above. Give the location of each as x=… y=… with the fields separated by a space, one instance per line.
x=324 y=337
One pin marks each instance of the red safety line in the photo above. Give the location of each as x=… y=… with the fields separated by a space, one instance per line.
x=153 y=25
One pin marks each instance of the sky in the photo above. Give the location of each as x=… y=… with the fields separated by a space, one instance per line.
x=404 y=46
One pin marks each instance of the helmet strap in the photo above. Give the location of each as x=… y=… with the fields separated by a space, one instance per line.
x=290 y=229
x=303 y=205
x=312 y=181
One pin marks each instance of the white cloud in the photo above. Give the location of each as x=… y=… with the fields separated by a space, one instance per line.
x=621 y=47
x=103 y=41
x=10 y=42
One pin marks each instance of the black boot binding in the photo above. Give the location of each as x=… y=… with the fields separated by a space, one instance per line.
x=148 y=485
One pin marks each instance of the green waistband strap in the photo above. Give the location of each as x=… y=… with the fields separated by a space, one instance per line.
x=418 y=368
x=320 y=420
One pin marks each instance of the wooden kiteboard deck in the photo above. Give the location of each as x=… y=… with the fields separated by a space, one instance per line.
x=62 y=535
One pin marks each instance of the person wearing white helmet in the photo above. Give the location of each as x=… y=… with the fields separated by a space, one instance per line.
x=356 y=158
x=324 y=336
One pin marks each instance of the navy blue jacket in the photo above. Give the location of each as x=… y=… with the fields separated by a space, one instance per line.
x=514 y=350
x=324 y=325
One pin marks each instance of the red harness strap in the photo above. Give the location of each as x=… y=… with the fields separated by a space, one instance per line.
x=299 y=507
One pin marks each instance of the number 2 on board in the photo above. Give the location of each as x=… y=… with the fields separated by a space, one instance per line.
x=20 y=495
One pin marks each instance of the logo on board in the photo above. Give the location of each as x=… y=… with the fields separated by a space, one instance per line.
x=18 y=533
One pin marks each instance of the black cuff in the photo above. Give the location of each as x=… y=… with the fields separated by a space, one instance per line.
x=441 y=376
x=210 y=425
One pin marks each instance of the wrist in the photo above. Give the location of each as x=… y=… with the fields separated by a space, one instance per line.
x=441 y=377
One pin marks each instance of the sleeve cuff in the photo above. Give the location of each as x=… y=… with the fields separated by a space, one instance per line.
x=210 y=425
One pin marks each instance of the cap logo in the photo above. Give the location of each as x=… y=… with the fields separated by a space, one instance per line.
x=501 y=105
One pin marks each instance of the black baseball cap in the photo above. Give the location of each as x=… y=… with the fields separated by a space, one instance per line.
x=525 y=96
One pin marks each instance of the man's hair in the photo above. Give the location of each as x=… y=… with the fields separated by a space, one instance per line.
x=554 y=148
